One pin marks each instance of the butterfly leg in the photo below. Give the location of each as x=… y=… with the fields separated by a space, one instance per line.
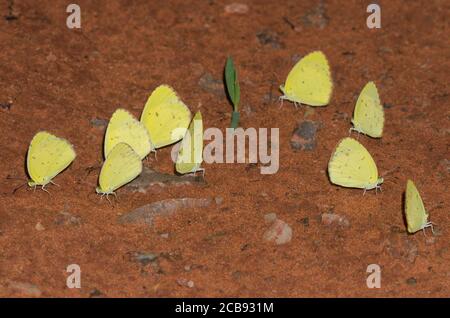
x=430 y=224
x=44 y=189
x=115 y=196
x=202 y=170
x=423 y=231
x=364 y=191
x=281 y=99
x=54 y=183
x=107 y=198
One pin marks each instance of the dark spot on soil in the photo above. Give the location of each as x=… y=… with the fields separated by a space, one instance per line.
x=6 y=106
x=411 y=281
x=304 y=135
x=270 y=38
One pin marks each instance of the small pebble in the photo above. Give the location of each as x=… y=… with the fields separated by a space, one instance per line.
x=219 y=200
x=279 y=233
x=39 y=227
x=144 y=258
x=185 y=283
x=51 y=57
x=332 y=218
x=238 y=8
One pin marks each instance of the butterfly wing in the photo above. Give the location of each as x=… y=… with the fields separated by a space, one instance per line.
x=123 y=127
x=165 y=116
x=351 y=165
x=190 y=154
x=309 y=82
x=416 y=215
x=121 y=166
x=368 y=117
x=47 y=156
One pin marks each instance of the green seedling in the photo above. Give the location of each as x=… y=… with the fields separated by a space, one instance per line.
x=232 y=83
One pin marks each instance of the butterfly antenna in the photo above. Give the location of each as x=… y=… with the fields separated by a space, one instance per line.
x=15 y=190
x=391 y=171
x=436 y=206
x=8 y=177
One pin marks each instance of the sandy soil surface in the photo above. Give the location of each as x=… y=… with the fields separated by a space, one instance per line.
x=69 y=82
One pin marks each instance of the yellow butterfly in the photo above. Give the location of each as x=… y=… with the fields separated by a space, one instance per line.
x=309 y=82
x=47 y=156
x=165 y=116
x=123 y=127
x=368 y=117
x=416 y=215
x=190 y=154
x=351 y=165
x=121 y=166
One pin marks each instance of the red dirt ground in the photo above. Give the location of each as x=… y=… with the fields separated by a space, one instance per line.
x=56 y=79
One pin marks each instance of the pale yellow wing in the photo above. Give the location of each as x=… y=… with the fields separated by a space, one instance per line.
x=416 y=215
x=123 y=127
x=165 y=116
x=351 y=165
x=47 y=156
x=190 y=154
x=368 y=117
x=309 y=82
x=121 y=166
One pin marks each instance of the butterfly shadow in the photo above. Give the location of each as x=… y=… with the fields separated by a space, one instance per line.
x=405 y=222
